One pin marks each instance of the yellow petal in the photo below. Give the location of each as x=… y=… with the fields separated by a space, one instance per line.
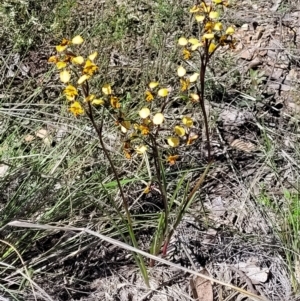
x=144 y=113
x=181 y=71
x=106 y=89
x=193 y=77
x=199 y=18
x=196 y=46
x=123 y=129
x=194 y=41
x=182 y=41
x=143 y=129
x=78 y=60
x=141 y=149
x=70 y=97
x=172 y=159
x=89 y=98
x=211 y=47
x=213 y=15
x=230 y=30
x=163 y=92
x=93 y=55
x=179 y=130
x=158 y=118
x=194 y=9
x=61 y=65
x=147 y=189
x=206 y=7
x=187 y=121
x=218 y=26
x=217 y=1
x=82 y=79
x=61 y=48
x=53 y=59
x=192 y=138
x=98 y=101
x=173 y=141
x=208 y=36
x=153 y=85
x=77 y=40
x=65 y=76
x=195 y=97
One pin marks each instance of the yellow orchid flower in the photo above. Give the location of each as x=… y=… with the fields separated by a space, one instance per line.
x=186 y=54
x=76 y=109
x=149 y=96
x=70 y=92
x=89 y=68
x=172 y=159
x=185 y=84
x=114 y=102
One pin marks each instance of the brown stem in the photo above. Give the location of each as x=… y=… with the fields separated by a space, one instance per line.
x=204 y=61
x=98 y=130
x=99 y=134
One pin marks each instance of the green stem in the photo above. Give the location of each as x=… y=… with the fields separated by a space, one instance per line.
x=161 y=182
x=185 y=206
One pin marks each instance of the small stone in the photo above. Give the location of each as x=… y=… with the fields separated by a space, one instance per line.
x=246 y=55
x=245 y=27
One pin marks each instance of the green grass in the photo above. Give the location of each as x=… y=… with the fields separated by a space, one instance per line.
x=65 y=179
